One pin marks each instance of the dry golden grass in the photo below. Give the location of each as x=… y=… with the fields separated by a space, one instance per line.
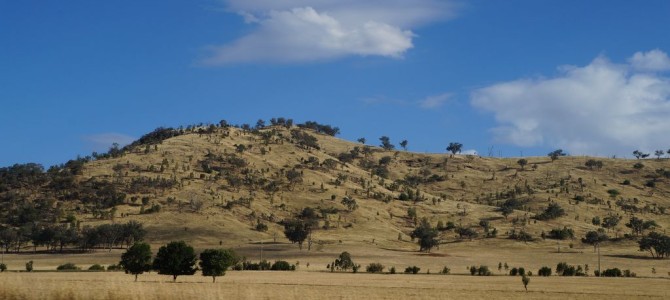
x=374 y=230
x=319 y=285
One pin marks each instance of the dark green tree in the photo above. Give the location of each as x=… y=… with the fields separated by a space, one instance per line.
x=426 y=235
x=175 y=258
x=137 y=259
x=455 y=148
x=297 y=231
x=554 y=155
x=594 y=238
x=215 y=262
x=657 y=244
x=386 y=143
x=403 y=144
x=344 y=261
x=522 y=162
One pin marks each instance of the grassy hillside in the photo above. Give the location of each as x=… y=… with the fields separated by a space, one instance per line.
x=212 y=185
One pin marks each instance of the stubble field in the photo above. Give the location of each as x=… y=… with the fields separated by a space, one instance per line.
x=322 y=285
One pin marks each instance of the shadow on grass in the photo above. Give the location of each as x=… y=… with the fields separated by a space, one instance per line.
x=631 y=256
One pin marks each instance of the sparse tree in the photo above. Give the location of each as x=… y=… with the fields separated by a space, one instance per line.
x=454 y=147
x=137 y=259
x=554 y=155
x=594 y=238
x=215 y=262
x=386 y=143
x=297 y=231
x=640 y=155
x=659 y=153
x=175 y=258
x=525 y=279
x=522 y=162
x=344 y=261
x=426 y=234
x=350 y=203
x=403 y=144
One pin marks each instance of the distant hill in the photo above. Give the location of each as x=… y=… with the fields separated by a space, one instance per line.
x=219 y=182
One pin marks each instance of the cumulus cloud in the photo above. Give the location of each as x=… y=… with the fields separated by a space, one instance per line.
x=654 y=60
x=313 y=30
x=602 y=108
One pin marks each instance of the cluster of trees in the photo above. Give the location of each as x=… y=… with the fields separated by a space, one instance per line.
x=321 y=128
x=57 y=237
x=177 y=258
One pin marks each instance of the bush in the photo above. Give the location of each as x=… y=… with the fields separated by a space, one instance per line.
x=514 y=272
x=445 y=271
x=522 y=272
x=483 y=271
x=544 y=271
x=392 y=270
x=114 y=268
x=29 y=266
x=563 y=269
x=261 y=227
x=3 y=267
x=282 y=265
x=412 y=270
x=67 y=267
x=96 y=267
x=615 y=272
x=374 y=268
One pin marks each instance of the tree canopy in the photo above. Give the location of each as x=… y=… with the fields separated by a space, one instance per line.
x=175 y=258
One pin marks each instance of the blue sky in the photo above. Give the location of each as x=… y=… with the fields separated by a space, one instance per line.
x=523 y=77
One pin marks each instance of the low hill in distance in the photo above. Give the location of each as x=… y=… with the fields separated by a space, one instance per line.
x=238 y=186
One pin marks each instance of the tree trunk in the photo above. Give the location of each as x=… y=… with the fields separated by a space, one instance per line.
x=135 y=277
x=213 y=279
x=174 y=278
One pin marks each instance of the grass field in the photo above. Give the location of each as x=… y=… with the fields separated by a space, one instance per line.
x=321 y=285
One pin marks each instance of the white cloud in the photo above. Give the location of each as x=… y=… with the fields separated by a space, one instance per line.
x=654 y=60
x=599 y=109
x=302 y=31
x=434 y=101
x=102 y=141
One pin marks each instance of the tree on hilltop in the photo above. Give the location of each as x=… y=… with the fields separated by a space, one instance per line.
x=386 y=143
x=455 y=147
x=554 y=155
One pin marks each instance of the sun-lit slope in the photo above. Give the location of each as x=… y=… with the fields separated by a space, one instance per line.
x=457 y=188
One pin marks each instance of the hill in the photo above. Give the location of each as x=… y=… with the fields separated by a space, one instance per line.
x=214 y=185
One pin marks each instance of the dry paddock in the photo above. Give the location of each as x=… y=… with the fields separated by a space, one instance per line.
x=321 y=285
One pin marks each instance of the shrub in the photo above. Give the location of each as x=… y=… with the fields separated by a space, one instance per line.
x=522 y=272
x=29 y=266
x=615 y=272
x=483 y=271
x=3 y=267
x=114 y=268
x=473 y=270
x=412 y=270
x=392 y=270
x=96 y=267
x=445 y=271
x=513 y=272
x=544 y=271
x=67 y=267
x=282 y=265
x=374 y=268
x=261 y=227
